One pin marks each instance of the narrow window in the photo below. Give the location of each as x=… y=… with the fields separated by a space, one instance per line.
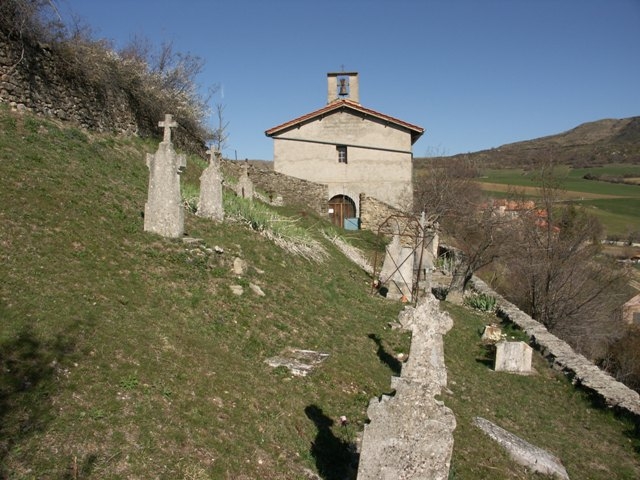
x=342 y=153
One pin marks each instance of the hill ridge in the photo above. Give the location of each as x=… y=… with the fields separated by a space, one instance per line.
x=591 y=143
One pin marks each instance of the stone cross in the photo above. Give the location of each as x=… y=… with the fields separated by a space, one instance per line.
x=164 y=212
x=168 y=123
x=214 y=156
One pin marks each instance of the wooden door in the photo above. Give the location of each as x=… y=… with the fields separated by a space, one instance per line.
x=343 y=207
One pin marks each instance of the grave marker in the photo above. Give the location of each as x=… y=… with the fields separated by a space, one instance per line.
x=210 y=204
x=163 y=212
x=244 y=188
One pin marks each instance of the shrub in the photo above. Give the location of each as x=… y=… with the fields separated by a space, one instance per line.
x=481 y=301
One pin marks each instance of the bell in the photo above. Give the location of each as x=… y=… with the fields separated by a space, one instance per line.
x=343 y=87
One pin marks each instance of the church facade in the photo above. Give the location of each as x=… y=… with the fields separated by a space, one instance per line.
x=349 y=148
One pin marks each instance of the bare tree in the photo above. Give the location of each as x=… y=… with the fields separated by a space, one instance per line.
x=480 y=236
x=220 y=134
x=31 y=19
x=623 y=358
x=445 y=189
x=176 y=70
x=556 y=272
x=448 y=193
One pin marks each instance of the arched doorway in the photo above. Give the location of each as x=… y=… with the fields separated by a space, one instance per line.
x=341 y=207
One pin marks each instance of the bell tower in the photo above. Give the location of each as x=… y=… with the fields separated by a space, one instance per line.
x=343 y=85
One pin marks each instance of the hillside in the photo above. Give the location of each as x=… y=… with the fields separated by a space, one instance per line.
x=126 y=355
x=589 y=144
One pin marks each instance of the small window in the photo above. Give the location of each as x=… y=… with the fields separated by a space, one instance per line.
x=342 y=153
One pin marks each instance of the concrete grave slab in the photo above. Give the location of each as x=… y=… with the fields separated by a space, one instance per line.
x=513 y=357
x=210 y=202
x=523 y=452
x=244 y=187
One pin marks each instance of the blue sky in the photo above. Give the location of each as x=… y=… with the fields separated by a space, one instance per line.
x=475 y=74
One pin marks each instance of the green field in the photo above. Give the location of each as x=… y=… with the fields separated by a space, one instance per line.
x=616 y=205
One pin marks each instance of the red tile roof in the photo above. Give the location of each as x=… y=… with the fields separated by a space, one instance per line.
x=416 y=131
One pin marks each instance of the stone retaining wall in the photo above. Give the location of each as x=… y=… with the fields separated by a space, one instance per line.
x=374 y=212
x=32 y=78
x=562 y=356
x=293 y=191
x=48 y=81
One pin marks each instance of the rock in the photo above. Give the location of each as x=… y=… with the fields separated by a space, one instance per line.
x=299 y=362
x=256 y=289
x=239 y=266
x=237 y=289
x=513 y=357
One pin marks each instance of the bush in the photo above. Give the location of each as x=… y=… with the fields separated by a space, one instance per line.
x=481 y=301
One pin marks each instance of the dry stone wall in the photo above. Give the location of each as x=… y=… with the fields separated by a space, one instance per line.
x=84 y=87
x=293 y=191
x=374 y=212
x=33 y=78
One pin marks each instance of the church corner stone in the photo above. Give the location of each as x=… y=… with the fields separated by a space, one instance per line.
x=163 y=212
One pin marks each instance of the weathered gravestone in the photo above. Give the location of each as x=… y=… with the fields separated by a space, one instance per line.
x=244 y=187
x=397 y=269
x=492 y=333
x=513 y=357
x=210 y=202
x=427 y=250
x=523 y=452
x=163 y=212
x=410 y=434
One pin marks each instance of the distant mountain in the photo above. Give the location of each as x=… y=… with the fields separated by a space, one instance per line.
x=589 y=144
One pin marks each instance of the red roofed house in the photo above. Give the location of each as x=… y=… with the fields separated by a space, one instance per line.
x=349 y=148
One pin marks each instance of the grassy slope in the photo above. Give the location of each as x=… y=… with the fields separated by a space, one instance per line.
x=544 y=409
x=125 y=355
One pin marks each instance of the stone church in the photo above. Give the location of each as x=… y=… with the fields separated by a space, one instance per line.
x=351 y=149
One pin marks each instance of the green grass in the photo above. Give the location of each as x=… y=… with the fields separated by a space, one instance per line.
x=573 y=180
x=126 y=355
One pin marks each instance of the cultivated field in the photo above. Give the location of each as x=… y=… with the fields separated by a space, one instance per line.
x=617 y=205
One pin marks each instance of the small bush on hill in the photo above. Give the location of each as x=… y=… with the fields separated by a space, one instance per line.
x=481 y=301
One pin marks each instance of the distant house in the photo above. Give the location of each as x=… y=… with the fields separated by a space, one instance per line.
x=631 y=311
x=349 y=148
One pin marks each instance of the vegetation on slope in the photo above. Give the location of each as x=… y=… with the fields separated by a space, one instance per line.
x=125 y=355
